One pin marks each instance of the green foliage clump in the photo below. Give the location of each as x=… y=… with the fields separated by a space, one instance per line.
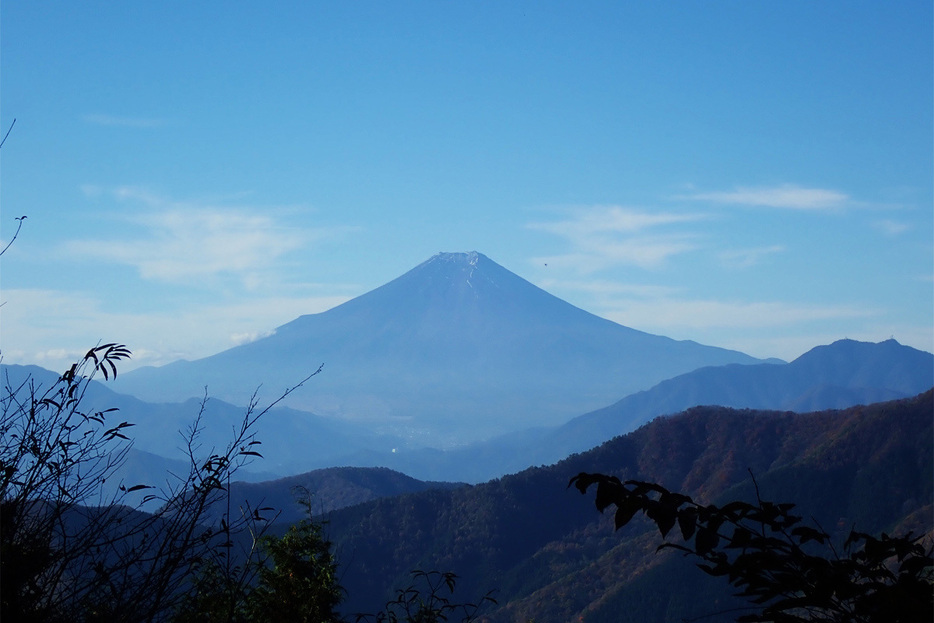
x=301 y=583
x=293 y=579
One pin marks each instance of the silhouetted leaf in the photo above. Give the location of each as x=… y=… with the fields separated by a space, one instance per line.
x=806 y=533
x=687 y=522
x=607 y=493
x=740 y=538
x=706 y=539
x=625 y=511
x=662 y=514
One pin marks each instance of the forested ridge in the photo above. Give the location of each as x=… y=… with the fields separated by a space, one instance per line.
x=330 y=489
x=553 y=558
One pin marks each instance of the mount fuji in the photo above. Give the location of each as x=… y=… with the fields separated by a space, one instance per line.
x=458 y=349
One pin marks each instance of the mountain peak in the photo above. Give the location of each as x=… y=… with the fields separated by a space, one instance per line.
x=457 y=346
x=453 y=264
x=848 y=348
x=471 y=257
x=458 y=278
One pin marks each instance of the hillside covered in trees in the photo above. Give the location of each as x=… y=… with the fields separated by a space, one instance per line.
x=552 y=557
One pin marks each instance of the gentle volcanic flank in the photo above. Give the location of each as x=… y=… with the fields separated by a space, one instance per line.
x=456 y=349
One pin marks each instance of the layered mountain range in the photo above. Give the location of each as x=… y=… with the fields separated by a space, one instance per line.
x=462 y=371
x=837 y=375
x=455 y=350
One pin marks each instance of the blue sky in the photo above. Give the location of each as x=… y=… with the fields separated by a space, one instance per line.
x=750 y=175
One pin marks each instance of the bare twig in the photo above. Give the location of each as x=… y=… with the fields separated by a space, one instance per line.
x=8 y=132
x=15 y=234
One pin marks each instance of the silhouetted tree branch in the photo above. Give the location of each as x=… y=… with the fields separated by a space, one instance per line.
x=791 y=571
x=10 y=129
x=428 y=599
x=71 y=551
x=19 y=226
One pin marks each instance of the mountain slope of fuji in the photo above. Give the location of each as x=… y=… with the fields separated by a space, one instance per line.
x=457 y=349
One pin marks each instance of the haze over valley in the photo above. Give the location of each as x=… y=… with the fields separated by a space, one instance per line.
x=461 y=371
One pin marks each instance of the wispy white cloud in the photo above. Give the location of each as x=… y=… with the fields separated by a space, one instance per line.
x=55 y=327
x=676 y=314
x=186 y=242
x=645 y=252
x=891 y=228
x=124 y=122
x=787 y=196
x=585 y=222
x=744 y=258
x=606 y=236
x=250 y=336
x=188 y=245
x=762 y=328
x=659 y=307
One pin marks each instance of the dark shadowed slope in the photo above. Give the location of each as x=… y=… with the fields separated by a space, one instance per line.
x=459 y=348
x=555 y=559
x=327 y=490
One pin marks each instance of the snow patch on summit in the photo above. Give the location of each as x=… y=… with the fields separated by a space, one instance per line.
x=469 y=261
x=471 y=258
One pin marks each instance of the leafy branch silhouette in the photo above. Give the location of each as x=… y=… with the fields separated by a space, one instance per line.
x=791 y=571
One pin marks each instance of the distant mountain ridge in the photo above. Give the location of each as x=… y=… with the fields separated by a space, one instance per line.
x=834 y=376
x=327 y=490
x=456 y=349
x=837 y=375
x=292 y=441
